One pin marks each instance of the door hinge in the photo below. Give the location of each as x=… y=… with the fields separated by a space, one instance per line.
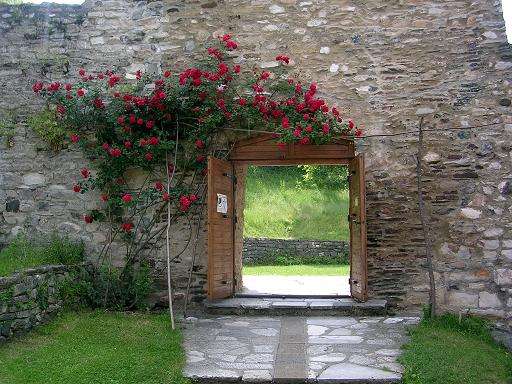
x=232 y=177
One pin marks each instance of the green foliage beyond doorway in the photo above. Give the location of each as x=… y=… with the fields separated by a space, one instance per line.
x=304 y=202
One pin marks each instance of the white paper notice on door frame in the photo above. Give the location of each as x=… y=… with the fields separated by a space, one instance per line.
x=222 y=203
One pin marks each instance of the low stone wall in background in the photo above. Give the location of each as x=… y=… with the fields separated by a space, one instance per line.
x=31 y=297
x=263 y=250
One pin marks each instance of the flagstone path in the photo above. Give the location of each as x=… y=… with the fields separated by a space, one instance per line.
x=295 y=349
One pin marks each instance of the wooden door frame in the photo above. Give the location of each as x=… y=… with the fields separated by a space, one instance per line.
x=263 y=151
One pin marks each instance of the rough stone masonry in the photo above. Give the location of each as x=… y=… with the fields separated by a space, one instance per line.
x=386 y=63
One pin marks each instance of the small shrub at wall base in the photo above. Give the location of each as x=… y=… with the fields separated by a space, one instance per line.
x=126 y=289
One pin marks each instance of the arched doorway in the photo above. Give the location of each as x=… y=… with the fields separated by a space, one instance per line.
x=225 y=203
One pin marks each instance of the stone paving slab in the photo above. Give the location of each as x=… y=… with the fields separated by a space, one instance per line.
x=273 y=306
x=295 y=349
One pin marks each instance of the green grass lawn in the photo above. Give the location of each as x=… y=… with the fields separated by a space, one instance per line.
x=445 y=352
x=276 y=207
x=297 y=270
x=23 y=253
x=96 y=347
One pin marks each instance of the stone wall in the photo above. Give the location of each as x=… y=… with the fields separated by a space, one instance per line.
x=31 y=297
x=263 y=250
x=386 y=63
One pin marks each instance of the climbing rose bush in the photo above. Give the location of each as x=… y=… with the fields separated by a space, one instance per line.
x=169 y=122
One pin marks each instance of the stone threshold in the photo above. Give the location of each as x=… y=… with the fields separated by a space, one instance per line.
x=296 y=306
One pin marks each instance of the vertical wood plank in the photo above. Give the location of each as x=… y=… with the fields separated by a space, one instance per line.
x=220 y=230
x=357 y=222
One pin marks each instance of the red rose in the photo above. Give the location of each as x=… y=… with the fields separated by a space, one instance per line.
x=221 y=104
x=153 y=140
x=88 y=219
x=335 y=112
x=120 y=120
x=351 y=124
x=358 y=132
x=104 y=197
x=265 y=75
x=132 y=119
x=283 y=58
x=61 y=110
x=149 y=124
x=80 y=92
x=167 y=73
x=304 y=140
x=74 y=138
x=281 y=146
x=184 y=203
x=127 y=227
x=223 y=69
x=242 y=102
x=113 y=80
x=98 y=103
x=81 y=72
x=100 y=76
x=196 y=82
x=298 y=88
x=226 y=37
x=115 y=152
x=192 y=197
x=159 y=82
x=38 y=86
x=285 y=122
x=231 y=45
x=236 y=69
x=325 y=108
x=76 y=188
x=200 y=158
x=309 y=129
x=138 y=74
x=297 y=132
x=148 y=156
x=202 y=96
x=127 y=144
x=165 y=196
x=127 y=198
x=199 y=144
x=85 y=173
x=325 y=128
x=105 y=146
x=68 y=87
x=140 y=121
x=159 y=186
x=306 y=116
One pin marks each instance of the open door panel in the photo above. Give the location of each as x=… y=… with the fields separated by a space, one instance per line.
x=357 y=222
x=220 y=229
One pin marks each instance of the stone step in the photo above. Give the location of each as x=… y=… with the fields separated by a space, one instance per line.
x=294 y=306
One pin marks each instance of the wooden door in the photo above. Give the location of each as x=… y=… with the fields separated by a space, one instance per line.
x=220 y=229
x=357 y=223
